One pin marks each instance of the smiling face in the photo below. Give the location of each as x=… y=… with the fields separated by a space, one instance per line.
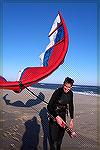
x=67 y=87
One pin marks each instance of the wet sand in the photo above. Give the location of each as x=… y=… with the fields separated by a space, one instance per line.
x=24 y=126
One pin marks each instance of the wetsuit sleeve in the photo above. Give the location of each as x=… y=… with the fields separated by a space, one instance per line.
x=52 y=104
x=71 y=106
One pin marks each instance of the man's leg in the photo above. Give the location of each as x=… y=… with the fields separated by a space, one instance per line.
x=56 y=134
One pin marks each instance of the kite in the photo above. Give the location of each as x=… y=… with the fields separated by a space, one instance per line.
x=51 y=58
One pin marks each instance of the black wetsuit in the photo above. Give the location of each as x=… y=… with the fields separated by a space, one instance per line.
x=59 y=104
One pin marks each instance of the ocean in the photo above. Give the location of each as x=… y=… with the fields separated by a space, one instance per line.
x=82 y=89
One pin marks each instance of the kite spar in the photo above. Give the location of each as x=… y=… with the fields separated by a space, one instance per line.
x=51 y=59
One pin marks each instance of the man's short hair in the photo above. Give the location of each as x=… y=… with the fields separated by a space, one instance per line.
x=69 y=80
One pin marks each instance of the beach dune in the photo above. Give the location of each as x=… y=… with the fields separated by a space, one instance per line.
x=24 y=124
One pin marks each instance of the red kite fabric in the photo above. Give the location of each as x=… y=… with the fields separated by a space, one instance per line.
x=52 y=58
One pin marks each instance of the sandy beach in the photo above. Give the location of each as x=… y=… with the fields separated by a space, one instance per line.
x=24 y=126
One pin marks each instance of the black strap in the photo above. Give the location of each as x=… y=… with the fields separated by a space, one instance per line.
x=21 y=85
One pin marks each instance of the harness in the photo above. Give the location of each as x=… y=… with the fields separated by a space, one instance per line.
x=61 y=105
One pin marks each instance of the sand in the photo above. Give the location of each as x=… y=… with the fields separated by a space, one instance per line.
x=24 y=126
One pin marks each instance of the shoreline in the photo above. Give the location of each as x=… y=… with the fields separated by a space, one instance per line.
x=81 y=93
x=23 y=114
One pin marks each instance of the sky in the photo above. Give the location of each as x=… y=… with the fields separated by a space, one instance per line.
x=25 y=36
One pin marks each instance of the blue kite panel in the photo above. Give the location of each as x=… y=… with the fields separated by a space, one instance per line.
x=60 y=34
x=47 y=56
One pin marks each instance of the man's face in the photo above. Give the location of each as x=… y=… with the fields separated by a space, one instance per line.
x=67 y=87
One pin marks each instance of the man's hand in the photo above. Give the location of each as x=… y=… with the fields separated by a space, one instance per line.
x=60 y=122
x=71 y=124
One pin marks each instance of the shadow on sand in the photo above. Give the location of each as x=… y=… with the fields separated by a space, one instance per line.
x=44 y=121
x=30 y=138
x=29 y=103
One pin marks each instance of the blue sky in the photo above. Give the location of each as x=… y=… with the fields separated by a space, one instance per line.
x=25 y=37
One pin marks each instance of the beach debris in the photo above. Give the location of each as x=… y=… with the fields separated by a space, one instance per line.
x=16 y=126
x=16 y=139
x=17 y=133
x=2 y=120
x=42 y=136
x=3 y=112
x=92 y=113
x=15 y=129
x=12 y=145
x=5 y=134
x=1 y=129
x=23 y=117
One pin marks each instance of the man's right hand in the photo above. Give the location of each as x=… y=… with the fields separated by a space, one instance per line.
x=61 y=122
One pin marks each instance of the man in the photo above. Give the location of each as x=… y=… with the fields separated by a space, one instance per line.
x=60 y=103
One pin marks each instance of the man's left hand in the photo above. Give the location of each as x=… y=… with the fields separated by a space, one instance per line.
x=71 y=124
